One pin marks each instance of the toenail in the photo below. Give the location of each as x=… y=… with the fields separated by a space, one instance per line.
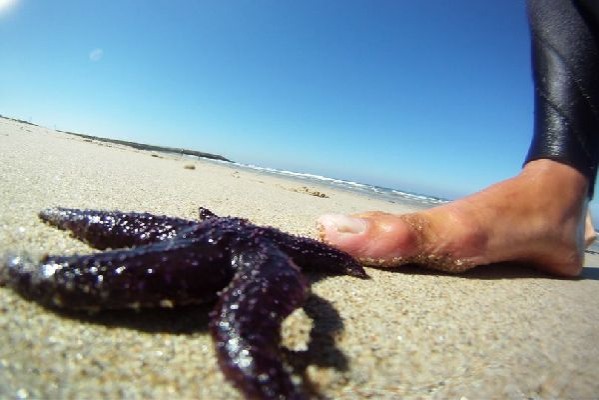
x=343 y=223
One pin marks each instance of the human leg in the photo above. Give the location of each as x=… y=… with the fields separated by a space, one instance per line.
x=590 y=235
x=565 y=61
x=537 y=217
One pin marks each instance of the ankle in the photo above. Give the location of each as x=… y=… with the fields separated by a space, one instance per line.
x=554 y=176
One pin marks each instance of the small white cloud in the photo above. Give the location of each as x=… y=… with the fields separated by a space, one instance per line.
x=96 y=55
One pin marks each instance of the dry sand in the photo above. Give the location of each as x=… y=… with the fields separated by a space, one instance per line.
x=496 y=332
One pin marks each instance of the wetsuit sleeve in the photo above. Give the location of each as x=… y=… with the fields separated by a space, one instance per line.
x=565 y=60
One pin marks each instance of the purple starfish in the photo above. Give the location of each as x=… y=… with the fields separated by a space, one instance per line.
x=161 y=261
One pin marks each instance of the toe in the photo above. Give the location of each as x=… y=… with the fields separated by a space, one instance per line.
x=345 y=232
x=373 y=237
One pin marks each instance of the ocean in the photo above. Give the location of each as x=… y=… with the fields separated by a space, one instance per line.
x=373 y=191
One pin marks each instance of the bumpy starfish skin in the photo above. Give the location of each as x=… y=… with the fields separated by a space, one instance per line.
x=163 y=261
x=102 y=229
x=246 y=321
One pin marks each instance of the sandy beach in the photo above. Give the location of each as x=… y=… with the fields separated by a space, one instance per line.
x=495 y=332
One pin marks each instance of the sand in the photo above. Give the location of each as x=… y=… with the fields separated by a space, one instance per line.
x=495 y=332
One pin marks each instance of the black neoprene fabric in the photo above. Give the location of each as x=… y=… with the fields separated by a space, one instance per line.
x=565 y=59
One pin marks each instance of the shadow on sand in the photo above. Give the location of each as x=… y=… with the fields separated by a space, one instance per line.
x=497 y=271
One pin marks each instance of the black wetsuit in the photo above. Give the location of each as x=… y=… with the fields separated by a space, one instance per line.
x=565 y=58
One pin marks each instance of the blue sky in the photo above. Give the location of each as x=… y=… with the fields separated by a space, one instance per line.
x=427 y=96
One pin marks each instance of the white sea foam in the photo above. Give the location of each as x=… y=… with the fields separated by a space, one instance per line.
x=355 y=187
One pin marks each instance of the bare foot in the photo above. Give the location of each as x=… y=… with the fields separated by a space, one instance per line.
x=537 y=217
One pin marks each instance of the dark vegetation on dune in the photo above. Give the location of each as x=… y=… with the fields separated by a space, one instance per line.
x=139 y=146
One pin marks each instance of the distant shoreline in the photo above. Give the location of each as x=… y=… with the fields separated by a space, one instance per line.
x=138 y=146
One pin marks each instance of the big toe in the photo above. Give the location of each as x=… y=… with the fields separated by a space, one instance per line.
x=375 y=237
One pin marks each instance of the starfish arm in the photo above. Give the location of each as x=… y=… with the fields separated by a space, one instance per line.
x=205 y=213
x=164 y=274
x=313 y=255
x=105 y=229
x=246 y=322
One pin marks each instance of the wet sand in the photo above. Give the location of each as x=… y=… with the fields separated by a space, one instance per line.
x=495 y=332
